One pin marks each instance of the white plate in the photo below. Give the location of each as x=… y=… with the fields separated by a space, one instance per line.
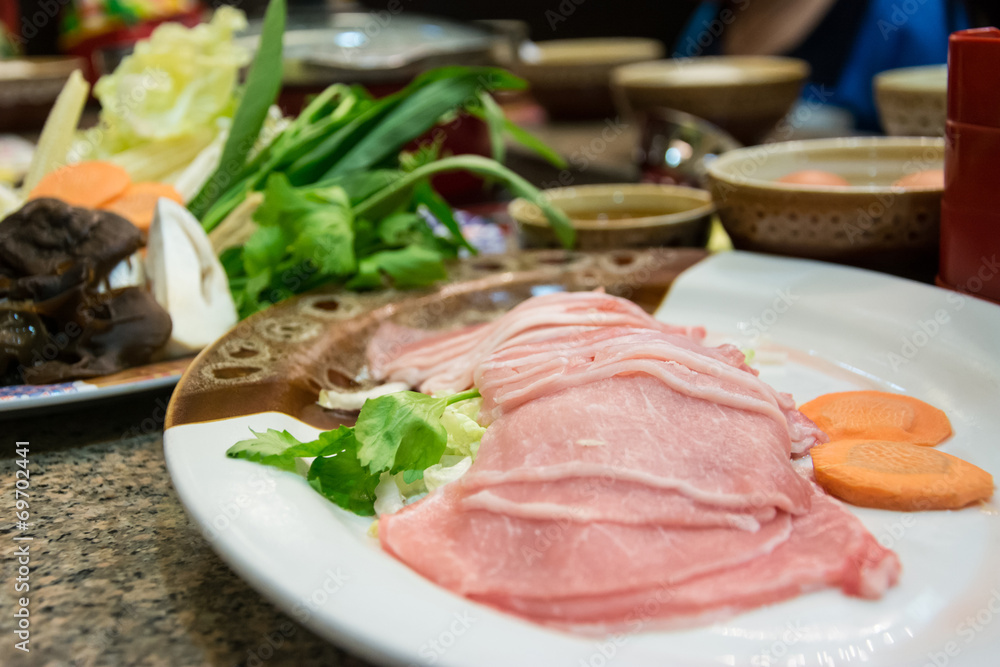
x=842 y=328
x=16 y=400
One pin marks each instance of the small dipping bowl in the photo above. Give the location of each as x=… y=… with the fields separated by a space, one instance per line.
x=633 y=215
x=870 y=223
x=913 y=101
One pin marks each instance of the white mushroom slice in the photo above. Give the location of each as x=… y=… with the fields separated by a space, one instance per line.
x=336 y=399
x=130 y=272
x=187 y=280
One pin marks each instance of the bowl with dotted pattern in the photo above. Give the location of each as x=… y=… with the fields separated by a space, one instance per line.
x=872 y=222
x=913 y=101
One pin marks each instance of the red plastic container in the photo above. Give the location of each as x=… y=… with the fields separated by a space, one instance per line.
x=970 y=209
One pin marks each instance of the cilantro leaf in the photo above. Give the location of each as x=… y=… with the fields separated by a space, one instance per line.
x=413 y=266
x=325 y=237
x=274 y=448
x=338 y=474
x=401 y=431
x=264 y=249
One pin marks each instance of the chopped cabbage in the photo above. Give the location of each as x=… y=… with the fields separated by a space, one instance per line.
x=464 y=432
x=440 y=474
x=166 y=100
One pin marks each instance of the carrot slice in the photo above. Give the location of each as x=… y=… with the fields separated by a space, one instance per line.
x=89 y=184
x=138 y=203
x=898 y=476
x=878 y=415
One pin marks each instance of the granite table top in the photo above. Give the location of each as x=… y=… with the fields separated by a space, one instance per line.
x=119 y=575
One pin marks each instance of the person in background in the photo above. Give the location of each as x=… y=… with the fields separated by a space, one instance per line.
x=846 y=42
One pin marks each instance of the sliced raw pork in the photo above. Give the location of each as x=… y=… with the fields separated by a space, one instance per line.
x=636 y=429
x=444 y=363
x=630 y=477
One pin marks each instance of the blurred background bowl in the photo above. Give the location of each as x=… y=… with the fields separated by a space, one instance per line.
x=913 y=101
x=28 y=89
x=871 y=223
x=744 y=95
x=631 y=215
x=570 y=78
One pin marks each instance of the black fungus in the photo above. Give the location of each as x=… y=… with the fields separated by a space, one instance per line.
x=58 y=321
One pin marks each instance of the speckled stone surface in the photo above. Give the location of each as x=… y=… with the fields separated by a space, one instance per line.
x=119 y=574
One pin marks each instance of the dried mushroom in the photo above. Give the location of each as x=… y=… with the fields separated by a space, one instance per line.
x=59 y=318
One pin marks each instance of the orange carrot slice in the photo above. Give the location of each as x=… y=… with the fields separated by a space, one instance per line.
x=878 y=415
x=898 y=476
x=89 y=184
x=138 y=203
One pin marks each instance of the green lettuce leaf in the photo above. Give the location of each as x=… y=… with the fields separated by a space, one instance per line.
x=338 y=474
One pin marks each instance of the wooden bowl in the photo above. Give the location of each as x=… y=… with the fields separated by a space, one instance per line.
x=632 y=215
x=871 y=223
x=744 y=95
x=913 y=101
x=571 y=78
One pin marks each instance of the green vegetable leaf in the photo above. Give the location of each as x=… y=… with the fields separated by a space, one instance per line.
x=398 y=229
x=401 y=431
x=264 y=249
x=496 y=123
x=274 y=448
x=477 y=164
x=261 y=90
x=412 y=266
x=281 y=202
x=414 y=115
x=325 y=238
x=338 y=474
x=359 y=185
x=531 y=142
x=411 y=476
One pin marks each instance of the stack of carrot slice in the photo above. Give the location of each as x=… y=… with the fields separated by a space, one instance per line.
x=881 y=455
x=103 y=185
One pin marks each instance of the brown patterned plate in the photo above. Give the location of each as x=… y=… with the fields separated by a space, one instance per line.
x=280 y=359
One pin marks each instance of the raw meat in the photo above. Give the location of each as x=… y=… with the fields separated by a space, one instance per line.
x=445 y=363
x=630 y=477
x=654 y=436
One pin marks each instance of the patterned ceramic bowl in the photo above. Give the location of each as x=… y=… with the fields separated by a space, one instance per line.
x=913 y=101
x=630 y=215
x=872 y=222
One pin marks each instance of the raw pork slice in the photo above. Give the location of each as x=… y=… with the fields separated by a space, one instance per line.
x=828 y=547
x=522 y=372
x=608 y=499
x=636 y=429
x=444 y=363
x=486 y=554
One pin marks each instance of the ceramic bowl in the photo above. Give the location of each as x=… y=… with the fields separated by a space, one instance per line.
x=913 y=101
x=570 y=78
x=744 y=95
x=630 y=215
x=871 y=222
x=28 y=89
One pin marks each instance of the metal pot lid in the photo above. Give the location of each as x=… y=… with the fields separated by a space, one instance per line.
x=375 y=46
